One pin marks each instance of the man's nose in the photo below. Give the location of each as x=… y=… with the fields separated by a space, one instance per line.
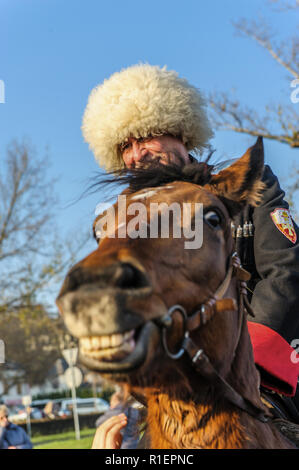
x=138 y=152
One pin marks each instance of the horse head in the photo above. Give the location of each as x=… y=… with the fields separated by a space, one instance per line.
x=115 y=298
x=161 y=306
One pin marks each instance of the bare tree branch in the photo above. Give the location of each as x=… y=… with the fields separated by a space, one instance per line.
x=32 y=255
x=33 y=259
x=285 y=54
x=36 y=349
x=285 y=5
x=278 y=123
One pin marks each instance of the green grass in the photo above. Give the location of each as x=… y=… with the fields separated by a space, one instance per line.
x=65 y=440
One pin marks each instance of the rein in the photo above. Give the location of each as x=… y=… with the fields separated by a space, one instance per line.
x=199 y=359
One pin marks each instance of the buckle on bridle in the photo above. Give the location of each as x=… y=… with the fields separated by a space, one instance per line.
x=197 y=355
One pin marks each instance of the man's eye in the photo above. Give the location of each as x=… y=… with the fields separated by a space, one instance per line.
x=213 y=219
x=144 y=139
x=124 y=146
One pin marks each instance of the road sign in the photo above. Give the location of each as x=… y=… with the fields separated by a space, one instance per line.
x=2 y=352
x=73 y=377
x=70 y=355
x=26 y=400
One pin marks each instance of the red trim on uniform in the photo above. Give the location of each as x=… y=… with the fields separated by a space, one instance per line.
x=275 y=358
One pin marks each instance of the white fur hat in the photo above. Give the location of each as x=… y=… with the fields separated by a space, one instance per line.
x=141 y=101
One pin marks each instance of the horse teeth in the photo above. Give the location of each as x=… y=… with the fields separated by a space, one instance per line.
x=94 y=343
x=116 y=340
x=104 y=342
x=111 y=353
x=86 y=343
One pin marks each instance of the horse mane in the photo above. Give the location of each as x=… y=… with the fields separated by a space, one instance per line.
x=155 y=175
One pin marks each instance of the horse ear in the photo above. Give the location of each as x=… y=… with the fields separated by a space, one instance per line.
x=240 y=183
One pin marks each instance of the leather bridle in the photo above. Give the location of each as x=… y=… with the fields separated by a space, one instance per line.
x=202 y=315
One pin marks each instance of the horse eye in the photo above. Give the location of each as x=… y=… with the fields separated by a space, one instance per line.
x=213 y=219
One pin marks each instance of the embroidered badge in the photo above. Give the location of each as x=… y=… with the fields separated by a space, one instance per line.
x=283 y=221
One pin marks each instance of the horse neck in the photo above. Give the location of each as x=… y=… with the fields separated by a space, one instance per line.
x=177 y=423
x=181 y=418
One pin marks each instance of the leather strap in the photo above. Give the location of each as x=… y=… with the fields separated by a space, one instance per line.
x=217 y=304
x=200 y=360
x=206 y=312
x=202 y=364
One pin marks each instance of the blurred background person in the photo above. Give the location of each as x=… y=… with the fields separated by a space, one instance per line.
x=11 y=435
x=51 y=410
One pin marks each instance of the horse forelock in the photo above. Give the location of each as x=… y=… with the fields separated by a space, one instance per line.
x=155 y=175
x=198 y=173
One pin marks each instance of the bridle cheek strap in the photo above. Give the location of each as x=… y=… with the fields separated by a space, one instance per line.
x=217 y=304
x=200 y=360
x=202 y=364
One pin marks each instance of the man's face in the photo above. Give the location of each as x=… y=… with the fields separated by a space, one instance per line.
x=163 y=149
x=3 y=421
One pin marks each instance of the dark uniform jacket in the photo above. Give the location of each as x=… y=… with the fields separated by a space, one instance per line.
x=13 y=435
x=273 y=261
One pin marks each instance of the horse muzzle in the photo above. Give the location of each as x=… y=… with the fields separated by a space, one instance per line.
x=106 y=314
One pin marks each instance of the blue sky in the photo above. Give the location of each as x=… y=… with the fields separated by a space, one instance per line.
x=53 y=52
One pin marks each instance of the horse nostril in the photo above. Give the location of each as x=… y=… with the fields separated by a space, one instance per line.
x=122 y=275
x=72 y=281
x=127 y=276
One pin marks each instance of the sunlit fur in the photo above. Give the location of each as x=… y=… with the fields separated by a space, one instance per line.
x=142 y=101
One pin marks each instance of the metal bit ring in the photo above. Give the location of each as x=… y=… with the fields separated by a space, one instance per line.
x=181 y=351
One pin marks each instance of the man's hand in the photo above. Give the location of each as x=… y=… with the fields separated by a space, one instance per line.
x=108 y=435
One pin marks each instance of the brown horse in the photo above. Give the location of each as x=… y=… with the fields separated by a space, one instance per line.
x=169 y=320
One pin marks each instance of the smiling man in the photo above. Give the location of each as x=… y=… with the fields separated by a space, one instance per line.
x=164 y=150
x=147 y=115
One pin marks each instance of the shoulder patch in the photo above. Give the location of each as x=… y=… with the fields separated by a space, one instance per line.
x=283 y=221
